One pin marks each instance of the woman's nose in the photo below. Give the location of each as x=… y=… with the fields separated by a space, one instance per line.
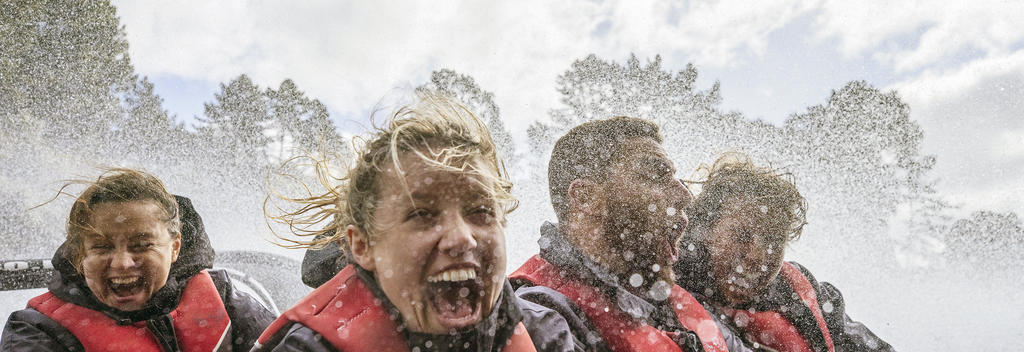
x=122 y=259
x=458 y=236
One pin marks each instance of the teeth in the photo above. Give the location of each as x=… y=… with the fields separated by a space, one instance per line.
x=124 y=280
x=453 y=275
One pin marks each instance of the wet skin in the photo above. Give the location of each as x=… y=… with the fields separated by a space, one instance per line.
x=645 y=206
x=438 y=250
x=128 y=254
x=745 y=255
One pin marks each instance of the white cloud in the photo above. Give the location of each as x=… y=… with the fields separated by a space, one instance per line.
x=973 y=120
x=913 y=35
x=349 y=54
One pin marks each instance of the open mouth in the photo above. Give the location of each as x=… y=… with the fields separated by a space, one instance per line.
x=125 y=288
x=674 y=234
x=456 y=295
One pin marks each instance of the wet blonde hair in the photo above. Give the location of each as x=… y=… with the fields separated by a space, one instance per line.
x=116 y=185
x=733 y=180
x=436 y=128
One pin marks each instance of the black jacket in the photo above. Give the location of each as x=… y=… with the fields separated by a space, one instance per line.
x=555 y=249
x=320 y=265
x=694 y=274
x=30 y=330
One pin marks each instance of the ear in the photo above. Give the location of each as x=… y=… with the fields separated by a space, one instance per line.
x=359 y=244
x=175 y=248
x=585 y=197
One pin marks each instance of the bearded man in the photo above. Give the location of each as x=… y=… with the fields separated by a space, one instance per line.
x=606 y=267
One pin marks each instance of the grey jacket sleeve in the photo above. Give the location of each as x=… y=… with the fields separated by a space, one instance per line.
x=301 y=338
x=847 y=334
x=248 y=317
x=548 y=330
x=30 y=330
x=583 y=335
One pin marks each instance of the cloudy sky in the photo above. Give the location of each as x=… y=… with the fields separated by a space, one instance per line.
x=959 y=65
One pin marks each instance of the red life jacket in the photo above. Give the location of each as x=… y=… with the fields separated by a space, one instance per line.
x=200 y=321
x=346 y=313
x=618 y=329
x=771 y=329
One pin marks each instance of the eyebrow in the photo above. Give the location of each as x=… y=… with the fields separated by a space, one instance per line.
x=471 y=192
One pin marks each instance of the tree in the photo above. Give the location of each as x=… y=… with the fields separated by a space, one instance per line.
x=63 y=68
x=147 y=133
x=301 y=125
x=481 y=103
x=234 y=128
x=859 y=157
x=988 y=238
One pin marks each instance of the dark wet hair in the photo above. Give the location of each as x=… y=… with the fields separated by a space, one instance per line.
x=733 y=181
x=586 y=151
x=115 y=186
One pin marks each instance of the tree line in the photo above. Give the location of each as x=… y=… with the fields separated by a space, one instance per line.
x=70 y=99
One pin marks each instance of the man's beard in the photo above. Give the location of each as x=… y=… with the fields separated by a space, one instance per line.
x=636 y=239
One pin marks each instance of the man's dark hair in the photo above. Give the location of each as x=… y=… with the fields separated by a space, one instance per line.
x=586 y=152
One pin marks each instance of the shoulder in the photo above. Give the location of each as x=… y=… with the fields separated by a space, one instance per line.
x=299 y=337
x=248 y=316
x=548 y=329
x=550 y=312
x=30 y=330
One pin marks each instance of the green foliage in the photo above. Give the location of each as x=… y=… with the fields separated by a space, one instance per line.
x=63 y=69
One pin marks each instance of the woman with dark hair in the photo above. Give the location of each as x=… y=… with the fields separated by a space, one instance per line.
x=732 y=255
x=133 y=275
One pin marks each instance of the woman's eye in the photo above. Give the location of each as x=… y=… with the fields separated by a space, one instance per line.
x=418 y=214
x=481 y=215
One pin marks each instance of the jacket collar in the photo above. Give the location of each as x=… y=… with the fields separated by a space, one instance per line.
x=490 y=334
x=559 y=252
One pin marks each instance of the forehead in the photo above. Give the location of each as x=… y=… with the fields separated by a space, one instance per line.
x=639 y=148
x=117 y=217
x=420 y=178
x=753 y=218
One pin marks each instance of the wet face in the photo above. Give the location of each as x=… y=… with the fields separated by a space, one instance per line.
x=438 y=250
x=645 y=204
x=128 y=254
x=746 y=255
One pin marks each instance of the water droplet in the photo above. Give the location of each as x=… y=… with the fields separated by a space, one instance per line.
x=652 y=207
x=428 y=181
x=337 y=304
x=764 y=268
x=655 y=267
x=463 y=292
x=691 y=247
x=739 y=269
x=660 y=290
x=636 y=280
x=670 y=211
x=827 y=307
x=627 y=255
